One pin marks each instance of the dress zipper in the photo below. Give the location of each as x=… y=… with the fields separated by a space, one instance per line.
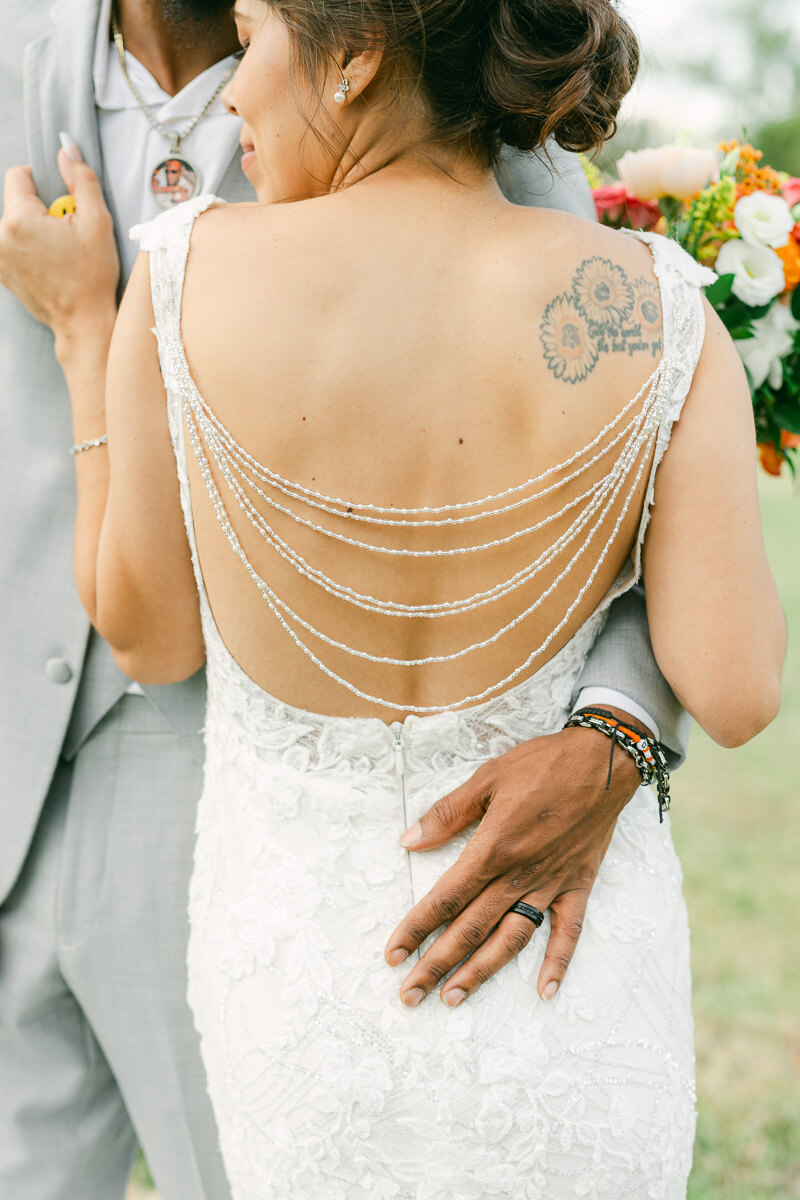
x=400 y=766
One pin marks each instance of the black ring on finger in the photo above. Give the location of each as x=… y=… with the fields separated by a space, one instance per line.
x=527 y=910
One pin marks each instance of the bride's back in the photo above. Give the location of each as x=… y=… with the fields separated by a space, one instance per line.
x=411 y=343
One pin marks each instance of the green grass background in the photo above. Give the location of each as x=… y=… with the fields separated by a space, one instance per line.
x=736 y=820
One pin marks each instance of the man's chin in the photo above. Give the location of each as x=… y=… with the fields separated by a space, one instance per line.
x=190 y=20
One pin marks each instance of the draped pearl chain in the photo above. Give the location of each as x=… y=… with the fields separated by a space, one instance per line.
x=245 y=477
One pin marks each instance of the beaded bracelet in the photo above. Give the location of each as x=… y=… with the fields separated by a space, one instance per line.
x=645 y=751
x=90 y=444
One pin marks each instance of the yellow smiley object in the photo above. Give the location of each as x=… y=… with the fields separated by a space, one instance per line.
x=62 y=206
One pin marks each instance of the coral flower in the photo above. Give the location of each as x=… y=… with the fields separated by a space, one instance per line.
x=791 y=192
x=790 y=257
x=616 y=206
x=789 y=441
x=771 y=457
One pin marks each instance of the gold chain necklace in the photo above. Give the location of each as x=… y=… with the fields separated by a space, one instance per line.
x=175 y=178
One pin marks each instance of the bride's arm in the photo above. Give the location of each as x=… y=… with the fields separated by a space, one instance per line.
x=718 y=630
x=132 y=561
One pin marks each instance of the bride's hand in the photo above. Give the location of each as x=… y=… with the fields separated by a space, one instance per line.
x=546 y=821
x=65 y=271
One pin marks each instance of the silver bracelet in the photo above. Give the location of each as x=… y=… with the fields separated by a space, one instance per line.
x=101 y=441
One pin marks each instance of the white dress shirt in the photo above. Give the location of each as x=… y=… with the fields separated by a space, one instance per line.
x=132 y=148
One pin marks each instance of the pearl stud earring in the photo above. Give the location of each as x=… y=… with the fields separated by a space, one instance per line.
x=340 y=95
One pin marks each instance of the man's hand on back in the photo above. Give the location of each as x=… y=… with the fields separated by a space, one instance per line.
x=546 y=820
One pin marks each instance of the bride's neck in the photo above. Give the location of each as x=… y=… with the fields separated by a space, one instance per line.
x=173 y=55
x=377 y=153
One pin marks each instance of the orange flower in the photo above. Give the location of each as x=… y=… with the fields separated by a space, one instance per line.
x=752 y=177
x=765 y=180
x=790 y=257
x=771 y=458
x=789 y=441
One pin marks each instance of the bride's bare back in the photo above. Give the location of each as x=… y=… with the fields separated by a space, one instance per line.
x=412 y=347
x=409 y=339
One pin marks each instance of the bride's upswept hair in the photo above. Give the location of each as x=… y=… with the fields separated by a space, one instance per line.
x=491 y=72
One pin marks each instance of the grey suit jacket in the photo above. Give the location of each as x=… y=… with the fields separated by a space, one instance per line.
x=57 y=678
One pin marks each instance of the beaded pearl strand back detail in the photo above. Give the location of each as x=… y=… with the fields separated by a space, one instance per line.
x=634 y=434
x=242 y=473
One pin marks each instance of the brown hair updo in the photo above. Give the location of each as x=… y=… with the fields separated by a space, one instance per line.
x=492 y=72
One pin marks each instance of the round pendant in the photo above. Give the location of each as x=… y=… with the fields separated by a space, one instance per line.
x=174 y=180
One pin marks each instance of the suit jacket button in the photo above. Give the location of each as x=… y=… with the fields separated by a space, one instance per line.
x=58 y=669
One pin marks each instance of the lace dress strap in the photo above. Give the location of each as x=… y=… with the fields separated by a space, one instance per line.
x=167 y=239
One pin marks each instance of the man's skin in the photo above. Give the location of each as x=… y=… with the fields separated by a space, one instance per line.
x=546 y=816
x=174 y=49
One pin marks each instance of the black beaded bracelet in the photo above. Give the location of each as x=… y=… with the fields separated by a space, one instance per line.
x=645 y=751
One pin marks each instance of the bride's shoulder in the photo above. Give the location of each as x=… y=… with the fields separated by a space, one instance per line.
x=565 y=242
x=597 y=296
x=561 y=241
x=237 y=233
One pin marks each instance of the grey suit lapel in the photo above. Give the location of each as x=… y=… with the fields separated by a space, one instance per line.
x=59 y=93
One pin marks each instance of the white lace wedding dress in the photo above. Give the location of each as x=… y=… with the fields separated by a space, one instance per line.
x=324 y=1086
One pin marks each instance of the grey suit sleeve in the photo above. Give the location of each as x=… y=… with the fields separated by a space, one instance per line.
x=531 y=180
x=623 y=659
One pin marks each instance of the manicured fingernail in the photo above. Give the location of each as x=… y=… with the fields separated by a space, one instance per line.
x=395 y=957
x=413 y=998
x=550 y=990
x=411 y=836
x=69 y=147
x=455 y=996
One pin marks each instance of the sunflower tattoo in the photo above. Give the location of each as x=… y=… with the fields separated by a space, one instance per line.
x=647 y=308
x=570 y=352
x=603 y=313
x=602 y=293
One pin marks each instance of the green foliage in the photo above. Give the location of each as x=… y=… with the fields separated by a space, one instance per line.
x=774 y=411
x=705 y=225
x=718 y=293
x=141 y=1174
x=780 y=142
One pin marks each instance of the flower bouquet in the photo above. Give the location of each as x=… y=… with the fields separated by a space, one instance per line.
x=743 y=219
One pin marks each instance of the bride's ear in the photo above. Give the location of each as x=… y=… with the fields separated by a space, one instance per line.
x=359 y=69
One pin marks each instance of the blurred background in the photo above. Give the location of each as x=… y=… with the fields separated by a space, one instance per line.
x=713 y=70
x=716 y=69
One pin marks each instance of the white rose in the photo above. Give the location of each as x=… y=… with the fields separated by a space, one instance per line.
x=757 y=272
x=688 y=171
x=678 y=171
x=764 y=220
x=773 y=339
x=640 y=171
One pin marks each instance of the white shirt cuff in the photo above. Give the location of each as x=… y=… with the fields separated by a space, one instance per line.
x=600 y=697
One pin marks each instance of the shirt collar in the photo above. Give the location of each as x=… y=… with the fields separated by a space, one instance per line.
x=112 y=92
